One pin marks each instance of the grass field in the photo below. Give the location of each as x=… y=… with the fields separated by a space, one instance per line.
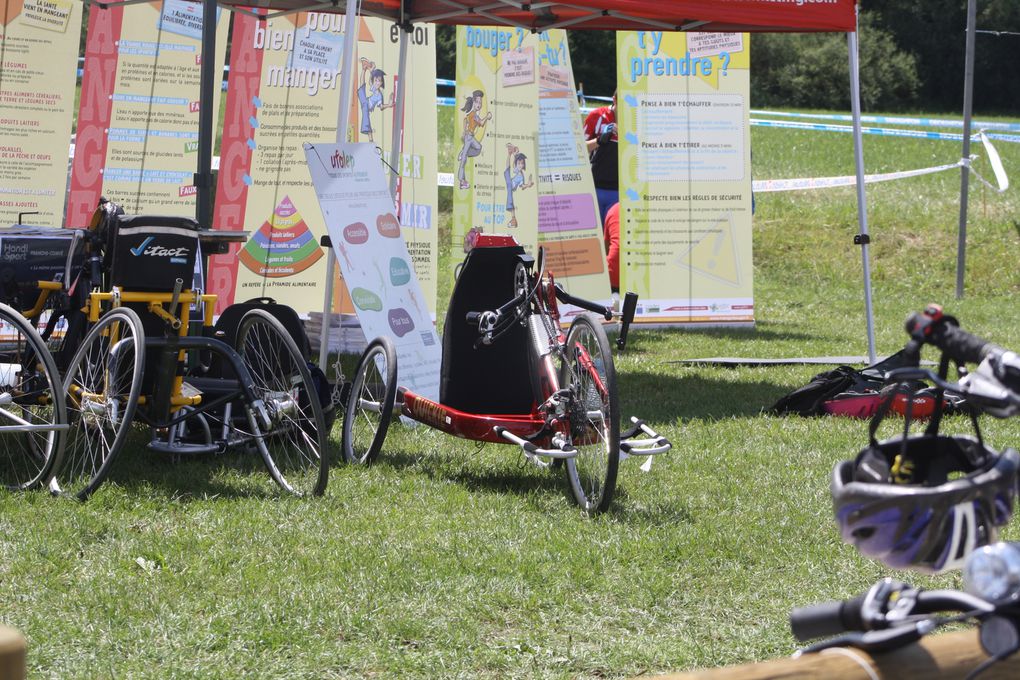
x=448 y=561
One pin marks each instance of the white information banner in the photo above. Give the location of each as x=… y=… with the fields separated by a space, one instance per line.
x=358 y=211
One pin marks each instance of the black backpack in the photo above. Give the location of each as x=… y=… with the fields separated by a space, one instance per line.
x=809 y=400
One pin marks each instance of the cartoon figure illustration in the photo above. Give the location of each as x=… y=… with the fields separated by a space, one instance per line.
x=370 y=94
x=472 y=121
x=514 y=176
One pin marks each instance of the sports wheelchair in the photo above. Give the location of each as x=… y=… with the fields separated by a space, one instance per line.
x=128 y=353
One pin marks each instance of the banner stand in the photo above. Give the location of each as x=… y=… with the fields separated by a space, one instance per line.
x=398 y=115
x=343 y=117
x=206 y=136
x=863 y=239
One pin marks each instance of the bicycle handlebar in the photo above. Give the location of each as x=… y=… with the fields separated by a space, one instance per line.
x=824 y=619
x=934 y=328
x=994 y=387
x=887 y=604
x=563 y=296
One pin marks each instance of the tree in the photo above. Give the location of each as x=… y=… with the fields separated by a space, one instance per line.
x=811 y=70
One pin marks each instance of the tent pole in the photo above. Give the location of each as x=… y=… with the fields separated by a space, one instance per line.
x=968 y=104
x=347 y=72
x=343 y=116
x=207 y=80
x=862 y=238
x=398 y=128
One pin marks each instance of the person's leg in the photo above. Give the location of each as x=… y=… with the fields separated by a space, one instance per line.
x=606 y=199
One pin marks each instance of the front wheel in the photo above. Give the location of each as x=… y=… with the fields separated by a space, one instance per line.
x=33 y=420
x=102 y=387
x=588 y=372
x=370 y=404
x=293 y=442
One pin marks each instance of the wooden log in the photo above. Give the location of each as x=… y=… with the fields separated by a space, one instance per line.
x=936 y=657
x=12 y=654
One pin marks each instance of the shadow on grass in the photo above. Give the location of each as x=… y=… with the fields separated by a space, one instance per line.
x=638 y=336
x=534 y=487
x=662 y=398
x=235 y=474
x=522 y=479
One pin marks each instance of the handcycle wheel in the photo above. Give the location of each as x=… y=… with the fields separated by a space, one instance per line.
x=370 y=404
x=33 y=420
x=589 y=373
x=293 y=446
x=101 y=387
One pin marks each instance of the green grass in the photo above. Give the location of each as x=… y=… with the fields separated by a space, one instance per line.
x=446 y=561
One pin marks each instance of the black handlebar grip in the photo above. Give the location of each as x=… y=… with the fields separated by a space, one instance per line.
x=960 y=345
x=473 y=318
x=826 y=619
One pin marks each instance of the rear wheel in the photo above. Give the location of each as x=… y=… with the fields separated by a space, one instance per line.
x=370 y=404
x=101 y=386
x=294 y=444
x=33 y=420
x=589 y=373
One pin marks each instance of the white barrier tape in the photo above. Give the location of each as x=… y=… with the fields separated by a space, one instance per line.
x=996 y=162
x=768 y=185
x=892 y=120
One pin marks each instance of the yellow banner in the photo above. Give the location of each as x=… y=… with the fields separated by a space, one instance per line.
x=37 y=80
x=290 y=68
x=417 y=164
x=568 y=218
x=137 y=141
x=685 y=175
x=496 y=135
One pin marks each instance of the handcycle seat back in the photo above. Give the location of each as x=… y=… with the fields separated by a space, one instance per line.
x=492 y=379
x=150 y=252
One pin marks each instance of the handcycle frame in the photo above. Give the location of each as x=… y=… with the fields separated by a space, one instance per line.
x=562 y=405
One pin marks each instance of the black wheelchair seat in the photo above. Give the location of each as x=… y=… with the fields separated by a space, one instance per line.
x=492 y=379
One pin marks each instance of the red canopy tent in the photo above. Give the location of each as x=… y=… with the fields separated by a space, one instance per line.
x=614 y=15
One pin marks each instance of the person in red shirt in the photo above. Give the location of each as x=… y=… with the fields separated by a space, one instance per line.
x=611 y=236
x=600 y=133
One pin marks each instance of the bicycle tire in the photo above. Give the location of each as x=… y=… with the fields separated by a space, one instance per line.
x=31 y=395
x=590 y=374
x=294 y=448
x=370 y=404
x=101 y=394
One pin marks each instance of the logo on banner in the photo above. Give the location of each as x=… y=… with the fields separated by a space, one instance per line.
x=341 y=160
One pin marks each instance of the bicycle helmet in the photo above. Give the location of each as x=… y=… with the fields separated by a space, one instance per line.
x=932 y=523
x=924 y=501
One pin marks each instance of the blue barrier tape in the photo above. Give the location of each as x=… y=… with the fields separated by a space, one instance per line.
x=893 y=120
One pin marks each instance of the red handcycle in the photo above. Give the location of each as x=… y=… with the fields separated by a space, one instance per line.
x=511 y=375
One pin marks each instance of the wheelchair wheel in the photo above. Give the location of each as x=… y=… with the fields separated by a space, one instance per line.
x=370 y=404
x=102 y=386
x=33 y=420
x=589 y=373
x=293 y=446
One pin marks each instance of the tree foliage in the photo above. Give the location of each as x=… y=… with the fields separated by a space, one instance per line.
x=812 y=70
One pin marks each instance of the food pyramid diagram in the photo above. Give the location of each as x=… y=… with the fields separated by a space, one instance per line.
x=283 y=245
